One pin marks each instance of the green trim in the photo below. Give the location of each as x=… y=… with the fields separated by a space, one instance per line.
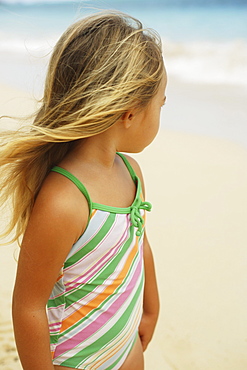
x=122 y=210
x=77 y=183
x=128 y=165
x=99 y=206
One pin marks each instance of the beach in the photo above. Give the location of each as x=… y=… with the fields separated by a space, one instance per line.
x=195 y=171
x=197 y=184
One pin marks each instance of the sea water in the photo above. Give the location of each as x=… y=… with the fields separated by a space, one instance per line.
x=203 y=41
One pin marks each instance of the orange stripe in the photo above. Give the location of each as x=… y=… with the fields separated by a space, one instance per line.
x=59 y=277
x=84 y=310
x=118 y=347
x=93 y=213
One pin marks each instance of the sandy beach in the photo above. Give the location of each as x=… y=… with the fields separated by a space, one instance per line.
x=197 y=184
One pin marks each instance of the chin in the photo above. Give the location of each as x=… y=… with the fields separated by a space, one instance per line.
x=132 y=150
x=138 y=148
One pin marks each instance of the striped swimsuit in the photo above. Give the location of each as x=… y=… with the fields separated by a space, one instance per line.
x=96 y=304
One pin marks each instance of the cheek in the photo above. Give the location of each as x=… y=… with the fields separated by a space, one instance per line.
x=156 y=129
x=156 y=120
x=154 y=126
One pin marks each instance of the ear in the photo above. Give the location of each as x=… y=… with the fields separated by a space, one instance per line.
x=127 y=119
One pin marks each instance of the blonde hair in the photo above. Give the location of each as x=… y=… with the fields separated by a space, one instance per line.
x=102 y=66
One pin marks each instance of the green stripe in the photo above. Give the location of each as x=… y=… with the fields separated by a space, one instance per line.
x=55 y=302
x=108 y=336
x=93 y=243
x=82 y=320
x=102 y=275
x=54 y=338
x=129 y=348
x=126 y=246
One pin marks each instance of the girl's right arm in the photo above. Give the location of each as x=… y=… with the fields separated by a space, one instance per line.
x=57 y=220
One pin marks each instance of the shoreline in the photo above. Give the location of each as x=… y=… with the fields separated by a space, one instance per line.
x=216 y=111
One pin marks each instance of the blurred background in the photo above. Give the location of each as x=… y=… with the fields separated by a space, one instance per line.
x=195 y=171
x=204 y=41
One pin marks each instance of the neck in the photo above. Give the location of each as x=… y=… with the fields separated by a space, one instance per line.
x=99 y=150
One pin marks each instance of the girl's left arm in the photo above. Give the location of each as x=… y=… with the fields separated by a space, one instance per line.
x=151 y=298
x=151 y=303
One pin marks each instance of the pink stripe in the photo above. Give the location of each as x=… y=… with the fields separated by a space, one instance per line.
x=85 y=243
x=55 y=330
x=55 y=324
x=86 y=296
x=94 y=269
x=94 y=249
x=107 y=256
x=102 y=319
x=82 y=280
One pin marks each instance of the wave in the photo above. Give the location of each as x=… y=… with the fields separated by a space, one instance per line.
x=208 y=62
x=198 y=62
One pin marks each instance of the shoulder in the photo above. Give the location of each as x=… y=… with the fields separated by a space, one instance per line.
x=136 y=167
x=61 y=204
x=58 y=218
x=134 y=164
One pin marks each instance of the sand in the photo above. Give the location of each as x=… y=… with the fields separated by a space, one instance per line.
x=198 y=233
x=197 y=185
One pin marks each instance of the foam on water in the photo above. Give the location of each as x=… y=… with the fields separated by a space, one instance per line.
x=203 y=62
x=204 y=45
x=201 y=44
x=208 y=62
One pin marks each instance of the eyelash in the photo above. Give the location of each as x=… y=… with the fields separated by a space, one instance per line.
x=164 y=103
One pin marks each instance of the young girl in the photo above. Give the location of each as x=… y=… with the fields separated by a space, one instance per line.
x=85 y=295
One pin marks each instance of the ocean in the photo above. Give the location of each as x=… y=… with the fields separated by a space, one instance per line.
x=203 y=41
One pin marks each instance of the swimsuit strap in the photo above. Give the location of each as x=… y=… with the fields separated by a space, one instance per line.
x=134 y=209
x=77 y=183
x=128 y=165
x=82 y=188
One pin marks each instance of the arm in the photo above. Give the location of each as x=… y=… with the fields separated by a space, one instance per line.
x=151 y=298
x=55 y=224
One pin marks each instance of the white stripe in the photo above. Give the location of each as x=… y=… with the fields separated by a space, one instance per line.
x=100 y=288
x=103 y=329
x=96 y=223
x=95 y=316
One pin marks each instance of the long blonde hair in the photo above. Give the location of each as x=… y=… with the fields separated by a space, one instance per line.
x=102 y=66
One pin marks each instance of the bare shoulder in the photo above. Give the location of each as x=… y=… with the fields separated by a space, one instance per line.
x=135 y=166
x=59 y=217
x=64 y=203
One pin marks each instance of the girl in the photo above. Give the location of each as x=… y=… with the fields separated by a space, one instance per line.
x=81 y=300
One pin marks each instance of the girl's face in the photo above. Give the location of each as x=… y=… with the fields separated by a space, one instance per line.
x=146 y=122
